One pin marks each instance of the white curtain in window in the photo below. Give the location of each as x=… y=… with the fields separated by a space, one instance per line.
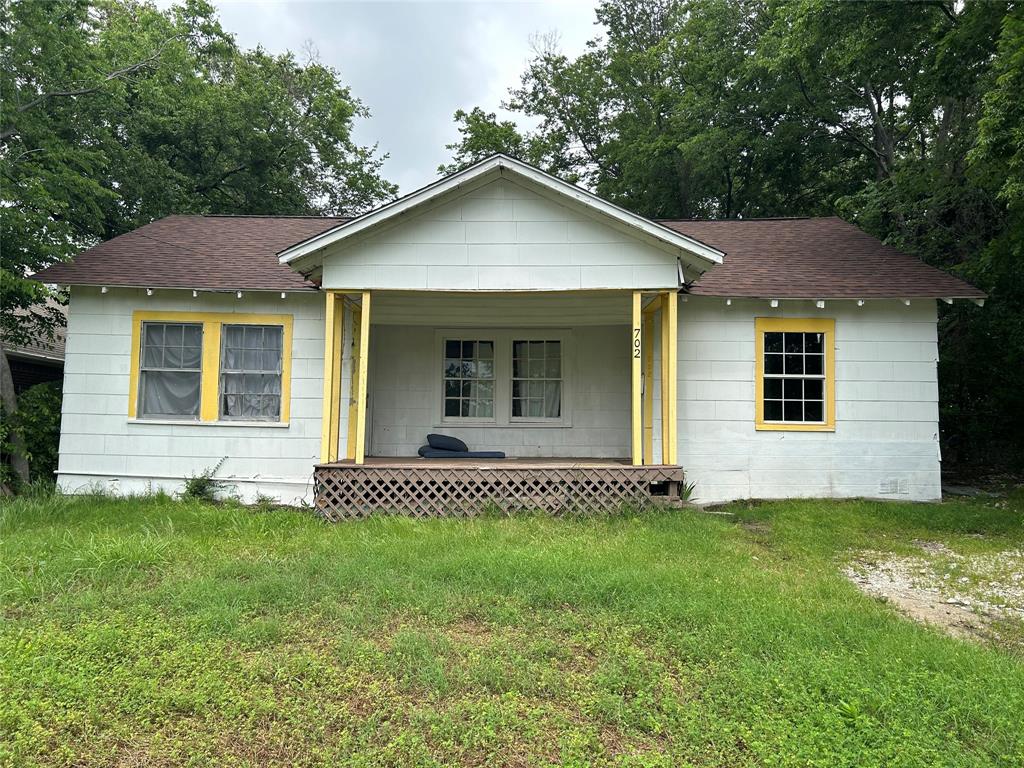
x=170 y=393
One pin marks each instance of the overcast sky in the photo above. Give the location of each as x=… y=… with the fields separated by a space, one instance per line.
x=414 y=63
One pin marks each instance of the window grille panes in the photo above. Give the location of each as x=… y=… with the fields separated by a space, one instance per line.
x=170 y=370
x=469 y=378
x=794 y=377
x=536 y=379
x=250 y=369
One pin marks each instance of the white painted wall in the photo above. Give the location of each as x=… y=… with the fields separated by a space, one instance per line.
x=501 y=236
x=886 y=405
x=406 y=398
x=886 y=396
x=100 y=447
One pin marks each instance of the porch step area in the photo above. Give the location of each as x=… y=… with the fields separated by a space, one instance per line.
x=445 y=488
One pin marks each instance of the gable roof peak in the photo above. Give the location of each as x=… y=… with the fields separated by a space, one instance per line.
x=691 y=249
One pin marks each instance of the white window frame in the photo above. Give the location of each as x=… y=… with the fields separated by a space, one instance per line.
x=502 y=338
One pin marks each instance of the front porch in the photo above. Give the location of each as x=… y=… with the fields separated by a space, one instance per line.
x=599 y=442
x=438 y=487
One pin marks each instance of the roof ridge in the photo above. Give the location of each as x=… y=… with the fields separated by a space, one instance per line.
x=751 y=218
x=265 y=216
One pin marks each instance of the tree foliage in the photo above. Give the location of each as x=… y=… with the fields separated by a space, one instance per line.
x=905 y=118
x=114 y=113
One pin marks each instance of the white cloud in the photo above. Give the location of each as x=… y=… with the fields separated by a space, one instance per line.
x=414 y=63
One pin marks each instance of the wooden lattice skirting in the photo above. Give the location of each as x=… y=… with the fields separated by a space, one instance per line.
x=351 y=491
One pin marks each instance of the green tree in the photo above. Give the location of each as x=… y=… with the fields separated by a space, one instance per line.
x=114 y=113
x=904 y=117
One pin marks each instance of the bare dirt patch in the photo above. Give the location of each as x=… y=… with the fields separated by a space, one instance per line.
x=964 y=595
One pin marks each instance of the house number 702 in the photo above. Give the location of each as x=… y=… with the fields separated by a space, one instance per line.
x=636 y=343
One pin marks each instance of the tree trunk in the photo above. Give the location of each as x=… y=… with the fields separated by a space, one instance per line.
x=19 y=462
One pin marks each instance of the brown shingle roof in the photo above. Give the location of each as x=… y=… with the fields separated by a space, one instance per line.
x=819 y=258
x=823 y=258
x=50 y=349
x=213 y=252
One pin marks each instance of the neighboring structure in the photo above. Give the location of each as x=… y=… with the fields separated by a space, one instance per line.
x=605 y=353
x=39 y=361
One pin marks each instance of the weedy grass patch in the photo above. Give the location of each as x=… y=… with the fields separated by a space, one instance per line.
x=173 y=632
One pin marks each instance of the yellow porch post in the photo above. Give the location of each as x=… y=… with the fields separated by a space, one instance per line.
x=669 y=382
x=648 y=351
x=636 y=358
x=332 y=379
x=364 y=365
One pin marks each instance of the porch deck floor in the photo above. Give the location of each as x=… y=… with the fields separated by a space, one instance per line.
x=418 y=462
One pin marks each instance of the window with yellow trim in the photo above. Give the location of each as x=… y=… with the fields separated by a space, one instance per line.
x=210 y=367
x=795 y=374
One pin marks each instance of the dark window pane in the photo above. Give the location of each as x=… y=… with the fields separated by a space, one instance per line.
x=813 y=411
x=773 y=342
x=794 y=363
x=813 y=389
x=451 y=388
x=451 y=406
x=467 y=348
x=468 y=369
x=773 y=389
x=517 y=407
x=794 y=342
x=467 y=388
x=452 y=369
x=814 y=342
x=464 y=407
x=452 y=348
x=793 y=411
x=793 y=389
x=773 y=363
x=813 y=365
x=154 y=334
x=153 y=357
x=773 y=410
x=519 y=349
x=173 y=336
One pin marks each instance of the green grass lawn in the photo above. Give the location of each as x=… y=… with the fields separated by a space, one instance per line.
x=156 y=632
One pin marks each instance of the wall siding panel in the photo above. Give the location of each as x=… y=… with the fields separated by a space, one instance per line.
x=403 y=394
x=886 y=405
x=501 y=236
x=100 y=447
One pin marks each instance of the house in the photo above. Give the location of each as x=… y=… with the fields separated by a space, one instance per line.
x=608 y=355
x=38 y=361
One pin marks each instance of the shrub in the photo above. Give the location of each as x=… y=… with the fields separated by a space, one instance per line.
x=38 y=421
x=204 y=486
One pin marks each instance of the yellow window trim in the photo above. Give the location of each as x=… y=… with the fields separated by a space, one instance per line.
x=764 y=325
x=209 y=387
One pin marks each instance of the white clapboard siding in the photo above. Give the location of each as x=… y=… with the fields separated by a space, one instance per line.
x=100 y=447
x=512 y=310
x=885 y=442
x=499 y=237
x=405 y=398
